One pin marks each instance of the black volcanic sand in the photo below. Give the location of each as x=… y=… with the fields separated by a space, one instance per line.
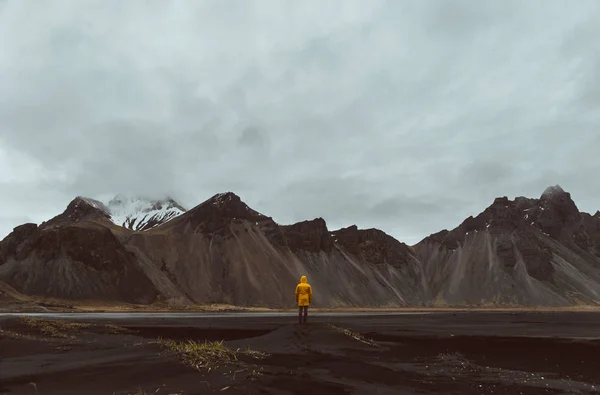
x=442 y=353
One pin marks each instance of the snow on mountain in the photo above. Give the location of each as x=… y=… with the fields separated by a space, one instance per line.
x=95 y=203
x=142 y=214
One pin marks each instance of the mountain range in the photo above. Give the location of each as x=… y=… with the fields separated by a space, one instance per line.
x=521 y=252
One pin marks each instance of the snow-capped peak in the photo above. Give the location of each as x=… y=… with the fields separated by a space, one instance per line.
x=141 y=214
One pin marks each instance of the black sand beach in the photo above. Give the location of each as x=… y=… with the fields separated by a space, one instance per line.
x=430 y=353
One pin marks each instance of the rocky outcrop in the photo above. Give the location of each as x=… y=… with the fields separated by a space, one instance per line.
x=591 y=226
x=374 y=246
x=516 y=252
x=310 y=236
x=18 y=243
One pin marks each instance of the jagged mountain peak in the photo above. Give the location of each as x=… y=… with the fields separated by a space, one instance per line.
x=553 y=190
x=140 y=214
x=555 y=198
x=554 y=213
x=79 y=209
x=225 y=199
x=81 y=202
x=555 y=205
x=557 y=195
x=229 y=205
x=214 y=215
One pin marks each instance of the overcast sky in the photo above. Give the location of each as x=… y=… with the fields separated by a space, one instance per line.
x=407 y=116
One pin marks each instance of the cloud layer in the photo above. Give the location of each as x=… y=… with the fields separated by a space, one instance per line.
x=402 y=115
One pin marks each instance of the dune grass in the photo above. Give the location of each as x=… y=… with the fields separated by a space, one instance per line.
x=67 y=329
x=54 y=328
x=207 y=355
x=20 y=336
x=354 y=335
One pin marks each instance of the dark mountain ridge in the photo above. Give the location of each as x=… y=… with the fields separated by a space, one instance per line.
x=522 y=251
x=516 y=252
x=221 y=251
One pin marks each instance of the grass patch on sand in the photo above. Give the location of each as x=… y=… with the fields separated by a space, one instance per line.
x=252 y=353
x=207 y=355
x=19 y=336
x=115 y=329
x=54 y=328
x=354 y=335
x=67 y=329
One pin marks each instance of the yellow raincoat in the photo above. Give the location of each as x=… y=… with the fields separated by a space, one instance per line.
x=303 y=292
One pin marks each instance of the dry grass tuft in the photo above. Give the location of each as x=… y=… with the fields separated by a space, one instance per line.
x=19 y=336
x=54 y=328
x=207 y=355
x=115 y=329
x=354 y=335
x=67 y=329
x=252 y=353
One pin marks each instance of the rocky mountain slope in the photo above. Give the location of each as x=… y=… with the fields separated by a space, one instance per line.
x=75 y=255
x=221 y=251
x=517 y=252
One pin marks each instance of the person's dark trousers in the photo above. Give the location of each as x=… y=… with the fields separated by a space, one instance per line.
x=303 y=310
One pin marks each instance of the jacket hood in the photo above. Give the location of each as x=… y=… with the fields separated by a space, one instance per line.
x=303 y=279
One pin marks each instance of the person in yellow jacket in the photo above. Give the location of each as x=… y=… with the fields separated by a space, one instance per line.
x=303 y=298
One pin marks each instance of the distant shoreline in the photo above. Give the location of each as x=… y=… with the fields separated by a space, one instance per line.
x=53 y=307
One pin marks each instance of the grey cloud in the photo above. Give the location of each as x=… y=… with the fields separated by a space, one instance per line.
x=463 y=19
x=487 y=172
x=421 y=212
x=251 y=136
x=402 y=115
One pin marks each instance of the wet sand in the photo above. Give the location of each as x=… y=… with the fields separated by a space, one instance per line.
x=435 y=353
